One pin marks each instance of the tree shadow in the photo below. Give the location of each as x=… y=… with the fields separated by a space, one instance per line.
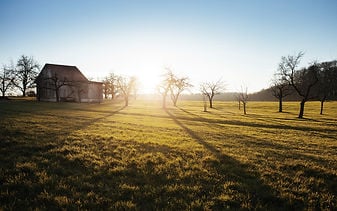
x=275 y=125
x=249 y=185
x=75 y=123
x=45 y=175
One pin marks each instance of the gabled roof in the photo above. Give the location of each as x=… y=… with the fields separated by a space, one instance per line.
x=71 y=73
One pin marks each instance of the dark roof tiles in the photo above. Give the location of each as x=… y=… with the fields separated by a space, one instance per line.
x=70 y=72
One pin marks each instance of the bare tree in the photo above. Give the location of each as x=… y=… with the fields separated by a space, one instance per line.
x=204 y=102
x=210 y=89
x=165 y=85
x=280 y=89
x=26 y=72
x=238 y=98
x=79 y=88
x=53 y=83
x=327 y=83
x=243 y=97
x=57 y=84
x=178 y=85
x=301 y=80
x=135 y=86
x=106 y=87
x=7 y=78
x=125 y=86
x=109 y=86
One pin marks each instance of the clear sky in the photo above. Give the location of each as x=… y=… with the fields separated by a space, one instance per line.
x=240 y=41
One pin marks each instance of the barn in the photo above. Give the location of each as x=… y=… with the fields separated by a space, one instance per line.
x=60 y=83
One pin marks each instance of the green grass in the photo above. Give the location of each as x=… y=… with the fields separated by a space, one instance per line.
x=105 y=156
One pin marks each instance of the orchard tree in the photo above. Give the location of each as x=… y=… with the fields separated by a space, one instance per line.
x=210 y=89
x=106 y=87
x=302 y=80
x=125 y=86
x=109 y=86
x=26 y=71
x=280 y=89
x=135 y=88
x=243 y=97
x=7 y=78
x=165 y=85
x=327 y=82
x=178 y=85
x=54 y=82
x=238 y=99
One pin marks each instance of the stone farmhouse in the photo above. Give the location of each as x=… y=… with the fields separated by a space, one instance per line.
x=61 y=83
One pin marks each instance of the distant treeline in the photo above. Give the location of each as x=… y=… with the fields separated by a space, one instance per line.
x=227 y=96
x=263 y=95
x=267 y=95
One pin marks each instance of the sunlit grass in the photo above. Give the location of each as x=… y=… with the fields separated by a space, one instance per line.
x=105 y=156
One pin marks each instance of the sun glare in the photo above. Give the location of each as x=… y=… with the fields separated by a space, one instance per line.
x=148 y=81
x=148 y=66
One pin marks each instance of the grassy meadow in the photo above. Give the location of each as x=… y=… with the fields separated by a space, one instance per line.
x=141 y=157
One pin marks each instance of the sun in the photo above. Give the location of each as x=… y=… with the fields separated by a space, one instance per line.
x=148 y=80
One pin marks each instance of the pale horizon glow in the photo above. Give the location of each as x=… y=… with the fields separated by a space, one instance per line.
x=240 y=42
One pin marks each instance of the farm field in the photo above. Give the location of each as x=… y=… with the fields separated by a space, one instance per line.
x=142 y=157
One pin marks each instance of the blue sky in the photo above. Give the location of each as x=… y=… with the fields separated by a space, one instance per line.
x=239 y=41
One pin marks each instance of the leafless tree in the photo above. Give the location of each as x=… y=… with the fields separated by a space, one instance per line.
x=135 y=86
x=238 y=98
x=79 y=88
x=204 y=102
x=54 y=83
x=301 y=80
x=210 y=89
x=243 y=97
x=125 y=86
x=327 y=83
x=7 y=78
x=26 y=72
x=178 y=85
x=109 y=86
x=106 y=87
x=280 y=89
x=165 y=85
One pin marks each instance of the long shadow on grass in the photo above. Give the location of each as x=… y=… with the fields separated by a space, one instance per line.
x=269 y=146
x=49 y=179
x=248 y=185
x=239 y=123
x=46 y=176
x=72 y=123
x=327 y=181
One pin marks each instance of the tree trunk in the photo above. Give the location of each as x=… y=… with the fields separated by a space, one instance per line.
x=239 y=105
x=205 y=103
x=280 y=109
x=300 y=115
x=105 y=94
x=211 y=102
x=126 y=101
x=164 y=101
x=322 y=106
x=57 y=95
x=112 y=92
x=24 y=92
x=175 y=101
x=244 y=108
x=3 y=88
